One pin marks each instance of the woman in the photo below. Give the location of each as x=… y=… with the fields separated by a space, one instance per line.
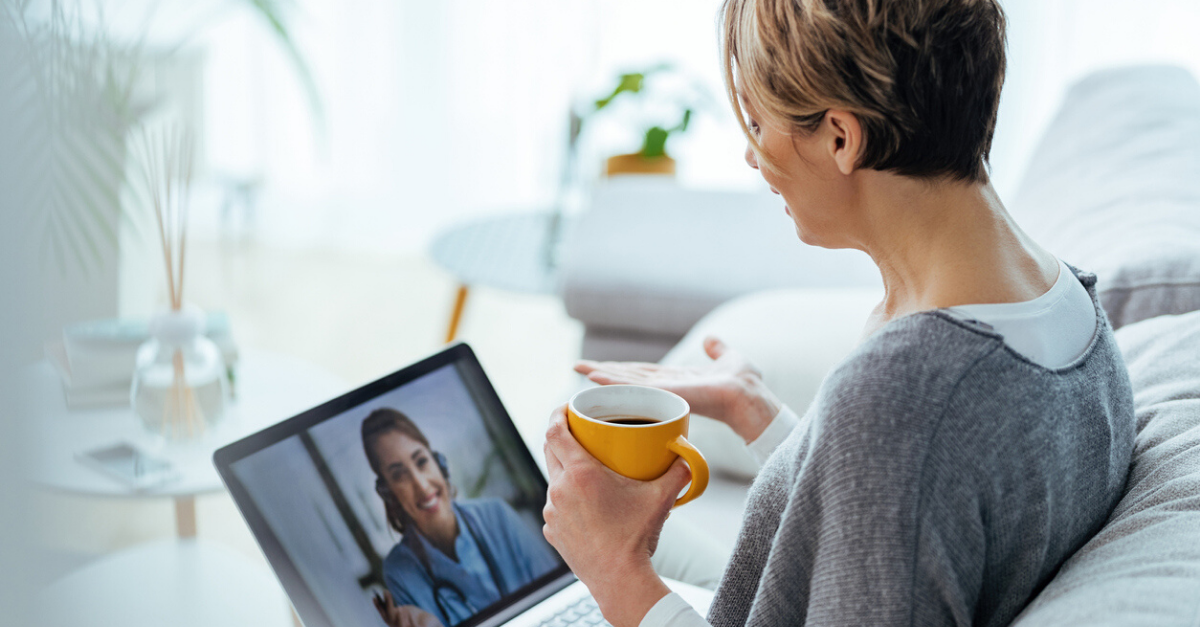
x=455 y=557
x=982 y=429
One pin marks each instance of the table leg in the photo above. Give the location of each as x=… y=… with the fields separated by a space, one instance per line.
x=460 y=301
x=185 y=516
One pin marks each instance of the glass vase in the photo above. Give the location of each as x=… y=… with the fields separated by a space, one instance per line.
x=179 y=384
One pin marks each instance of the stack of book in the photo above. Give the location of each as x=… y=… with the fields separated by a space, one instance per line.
x=96 y=359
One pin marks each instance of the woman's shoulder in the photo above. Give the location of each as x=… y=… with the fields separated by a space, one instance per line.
x=928 y=333
x=401 y=557
x=487 y=509
x=913 y=357
x=914 y=368
x=900 y=380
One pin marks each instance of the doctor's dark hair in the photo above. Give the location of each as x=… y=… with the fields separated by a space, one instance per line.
x=923 y=78
x=375 y=425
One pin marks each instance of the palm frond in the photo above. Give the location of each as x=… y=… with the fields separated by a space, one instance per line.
x=273 y=14
x=74 y=78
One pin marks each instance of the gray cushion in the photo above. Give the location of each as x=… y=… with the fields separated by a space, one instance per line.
x=1114 y=188
x=1143 y=568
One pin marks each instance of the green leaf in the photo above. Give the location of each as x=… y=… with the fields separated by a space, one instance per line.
x=656 y=142
x=631 y=83
x=687 y=117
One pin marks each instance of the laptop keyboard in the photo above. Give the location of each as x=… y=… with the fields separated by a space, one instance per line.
x=582 y=613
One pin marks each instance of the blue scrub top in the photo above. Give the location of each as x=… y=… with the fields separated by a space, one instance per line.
x=467 y=586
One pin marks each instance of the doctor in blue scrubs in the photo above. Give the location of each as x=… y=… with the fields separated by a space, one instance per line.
x=455 y=557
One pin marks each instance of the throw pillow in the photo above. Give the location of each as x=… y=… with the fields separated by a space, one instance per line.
x=1113 y=189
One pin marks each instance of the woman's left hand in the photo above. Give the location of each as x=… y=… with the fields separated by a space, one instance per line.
x=605 y=525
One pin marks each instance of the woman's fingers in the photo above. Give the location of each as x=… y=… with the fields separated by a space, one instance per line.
x=412 y=616
x=654 y=377
x=553 y=464
x=617 y=370
x=714 y=347
x=393 y=611
x=609 y=378
x=675 y=479
x=562 y=445
x=588 y=365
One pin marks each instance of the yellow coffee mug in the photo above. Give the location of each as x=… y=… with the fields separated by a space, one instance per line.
x=637 y=431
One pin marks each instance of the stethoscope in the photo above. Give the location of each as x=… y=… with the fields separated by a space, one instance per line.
x=440 y=586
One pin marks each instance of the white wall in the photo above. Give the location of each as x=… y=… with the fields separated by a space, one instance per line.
x=1053 y=43
x=437 y=112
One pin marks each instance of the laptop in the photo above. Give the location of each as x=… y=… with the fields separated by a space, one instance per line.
x=411 y=495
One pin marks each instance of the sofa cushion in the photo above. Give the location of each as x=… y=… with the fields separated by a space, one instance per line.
x=1113 y=188
x=1143 y=568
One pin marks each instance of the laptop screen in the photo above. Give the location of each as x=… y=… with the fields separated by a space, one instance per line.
x=412 y=495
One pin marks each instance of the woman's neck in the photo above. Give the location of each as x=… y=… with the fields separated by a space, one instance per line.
x=442 y=538
x=946 y=243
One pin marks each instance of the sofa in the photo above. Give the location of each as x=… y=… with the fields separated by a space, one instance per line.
x=1113 y=188
x=649 y=259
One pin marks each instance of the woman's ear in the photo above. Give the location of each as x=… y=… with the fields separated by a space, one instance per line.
x=846 y=139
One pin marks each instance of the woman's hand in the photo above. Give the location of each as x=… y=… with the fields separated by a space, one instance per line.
x=403 y=615
x=728 y=389
x=606 y=526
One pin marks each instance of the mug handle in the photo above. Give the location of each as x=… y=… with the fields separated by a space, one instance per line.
x=695 y=461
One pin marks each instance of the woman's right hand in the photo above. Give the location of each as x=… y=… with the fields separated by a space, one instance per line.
x=728 y=389
x=403 y=615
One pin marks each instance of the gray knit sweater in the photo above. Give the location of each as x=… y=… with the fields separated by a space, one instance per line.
x=939 y=478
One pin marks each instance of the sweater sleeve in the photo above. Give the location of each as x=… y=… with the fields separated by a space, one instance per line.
x=874 y=521
x=883 y=515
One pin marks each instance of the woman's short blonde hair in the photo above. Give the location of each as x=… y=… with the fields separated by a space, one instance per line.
x=922 y=76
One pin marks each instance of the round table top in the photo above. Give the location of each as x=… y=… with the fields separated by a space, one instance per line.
x=167 y=582
x=511 y=252
x=271 y=387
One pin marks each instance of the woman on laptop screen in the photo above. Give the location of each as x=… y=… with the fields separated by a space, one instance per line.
x=455 y=557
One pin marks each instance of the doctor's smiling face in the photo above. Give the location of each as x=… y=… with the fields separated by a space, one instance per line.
x=412 y=475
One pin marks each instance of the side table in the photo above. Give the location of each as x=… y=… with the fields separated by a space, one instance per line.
x=271 y=387
x=514 y=252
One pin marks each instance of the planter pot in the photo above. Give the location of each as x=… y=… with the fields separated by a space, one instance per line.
x=637 y=164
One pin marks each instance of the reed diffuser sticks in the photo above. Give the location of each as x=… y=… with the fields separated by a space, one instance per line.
x=167 y=169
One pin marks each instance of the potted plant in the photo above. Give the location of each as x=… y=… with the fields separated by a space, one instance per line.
x=669 y=98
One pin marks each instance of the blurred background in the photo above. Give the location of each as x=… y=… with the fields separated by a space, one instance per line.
x=369 y=179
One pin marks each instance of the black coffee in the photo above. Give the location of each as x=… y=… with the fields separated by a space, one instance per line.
x=628 y=420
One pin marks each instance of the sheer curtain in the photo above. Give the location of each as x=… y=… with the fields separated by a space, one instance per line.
x=437 y=112
x=433 y=111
